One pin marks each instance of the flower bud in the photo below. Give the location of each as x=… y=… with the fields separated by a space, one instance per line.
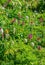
x=1 y=30
x=30 y=36
x=39 y=47
x=25 y=40
x=32 y=44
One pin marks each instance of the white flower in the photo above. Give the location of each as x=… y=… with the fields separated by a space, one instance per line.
x=25 y=40
x=1 y=30
x=32 y=44
x=3 y=8
x=21 y=35
x=27 y=17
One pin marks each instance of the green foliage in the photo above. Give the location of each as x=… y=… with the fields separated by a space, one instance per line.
x=22 y=32
x=2 y=50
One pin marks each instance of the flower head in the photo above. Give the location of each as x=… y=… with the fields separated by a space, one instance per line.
x=3 y=8
x=1 y=30
x=32 y=44
x=27 y=17
x=25 y=40
x=30 y=36
x=39 y=47
x=6 y=31
x=2 y=33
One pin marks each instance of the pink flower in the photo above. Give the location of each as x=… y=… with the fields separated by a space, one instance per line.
x=30 y=36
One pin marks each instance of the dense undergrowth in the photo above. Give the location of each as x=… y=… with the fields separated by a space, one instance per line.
x=22 y=32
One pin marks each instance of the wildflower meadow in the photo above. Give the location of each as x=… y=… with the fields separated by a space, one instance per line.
x=22 y=32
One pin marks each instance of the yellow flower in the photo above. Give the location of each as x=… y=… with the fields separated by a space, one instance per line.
x=6 y=31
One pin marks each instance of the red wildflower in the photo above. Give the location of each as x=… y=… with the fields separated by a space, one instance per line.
x=39 y=47
x=30 y=36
